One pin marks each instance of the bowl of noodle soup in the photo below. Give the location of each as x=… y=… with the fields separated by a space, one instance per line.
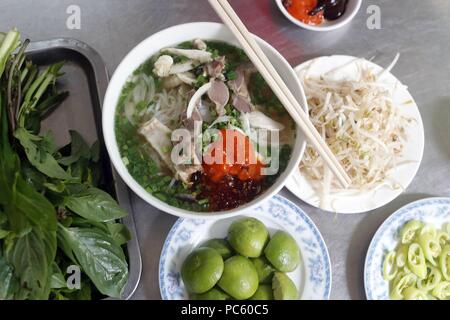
x=175 y=107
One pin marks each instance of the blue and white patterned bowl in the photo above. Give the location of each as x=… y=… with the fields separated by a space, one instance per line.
x=433 y=210
x=313 y=277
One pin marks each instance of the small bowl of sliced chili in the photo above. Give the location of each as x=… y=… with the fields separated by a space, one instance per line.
x=319 y=15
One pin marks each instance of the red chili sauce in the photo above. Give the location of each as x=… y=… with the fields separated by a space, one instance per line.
x=300 y=9
x=232 y=173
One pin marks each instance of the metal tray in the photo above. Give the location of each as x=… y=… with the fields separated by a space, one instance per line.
x=86 y=78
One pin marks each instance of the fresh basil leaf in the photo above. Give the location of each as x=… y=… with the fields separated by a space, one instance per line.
x=95 y=151
x=47 y=143
x=84 y=293
x=57 y=279
x=32 y=176
x=119 y=233
x=31 y=257
x=79 y=170
x=64 y=244
x=4 y=233
x=80 y=222
x=94 y=204
x=67 y=221
x=8 y=283
x=59 y=296
x=33 y=124
x=100 y=258
x=57 y=187
x=8 y=196
x=3 y=217
x=44 y=161
x=79 y=149
x=26 y=206
x=35 y=206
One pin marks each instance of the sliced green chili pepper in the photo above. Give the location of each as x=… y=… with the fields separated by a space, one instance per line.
x=409 y=231
x=432 y=280
x=402 y=255
x=442 y=290
x=444 y=262
x=412 y=293
x=416 y=261
x=389 y=266
x=402 y=281
x=443 y=237
x=430 y=247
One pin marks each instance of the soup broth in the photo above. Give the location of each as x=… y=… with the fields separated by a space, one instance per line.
x=211 y=93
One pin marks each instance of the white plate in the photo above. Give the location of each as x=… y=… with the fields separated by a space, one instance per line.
x=345 y=67
x=313 y=277
x=433 y=210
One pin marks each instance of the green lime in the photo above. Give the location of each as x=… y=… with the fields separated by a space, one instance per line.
x=202 y=269
x=239 y=278
x=283 y=287
x=221 y=246
x=264 y=269
x=248 y=236
x=213 y=294
x=264 y=292
x=283 y=252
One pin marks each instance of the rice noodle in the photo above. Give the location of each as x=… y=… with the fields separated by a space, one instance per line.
x=143 y=92
x=168 y=107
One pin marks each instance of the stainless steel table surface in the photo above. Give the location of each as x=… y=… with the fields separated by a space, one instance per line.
x=418 y=29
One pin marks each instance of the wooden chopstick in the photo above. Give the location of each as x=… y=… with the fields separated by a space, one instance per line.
x=317 y=139
x=273 y=79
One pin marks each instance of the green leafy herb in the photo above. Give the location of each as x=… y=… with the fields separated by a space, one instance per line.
x=41 y=186
x=100 y=257
x=31 y=256
x=57 y=280
x=79 y=150
x=39 y=155
x=8 y=282
x=93 y=204
x=119 y=233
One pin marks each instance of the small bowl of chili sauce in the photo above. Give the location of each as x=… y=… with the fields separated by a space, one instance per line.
x=329 y=14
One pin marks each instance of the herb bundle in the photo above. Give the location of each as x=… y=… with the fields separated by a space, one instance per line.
x=52 y=215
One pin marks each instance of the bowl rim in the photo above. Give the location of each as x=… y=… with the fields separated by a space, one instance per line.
x=321 y=28
x=118 y=80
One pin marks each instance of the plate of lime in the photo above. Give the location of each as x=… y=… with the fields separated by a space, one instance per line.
x=273 y=252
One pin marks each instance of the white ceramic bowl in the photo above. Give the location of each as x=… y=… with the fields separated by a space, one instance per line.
x=173 y=36
x=353 y=7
